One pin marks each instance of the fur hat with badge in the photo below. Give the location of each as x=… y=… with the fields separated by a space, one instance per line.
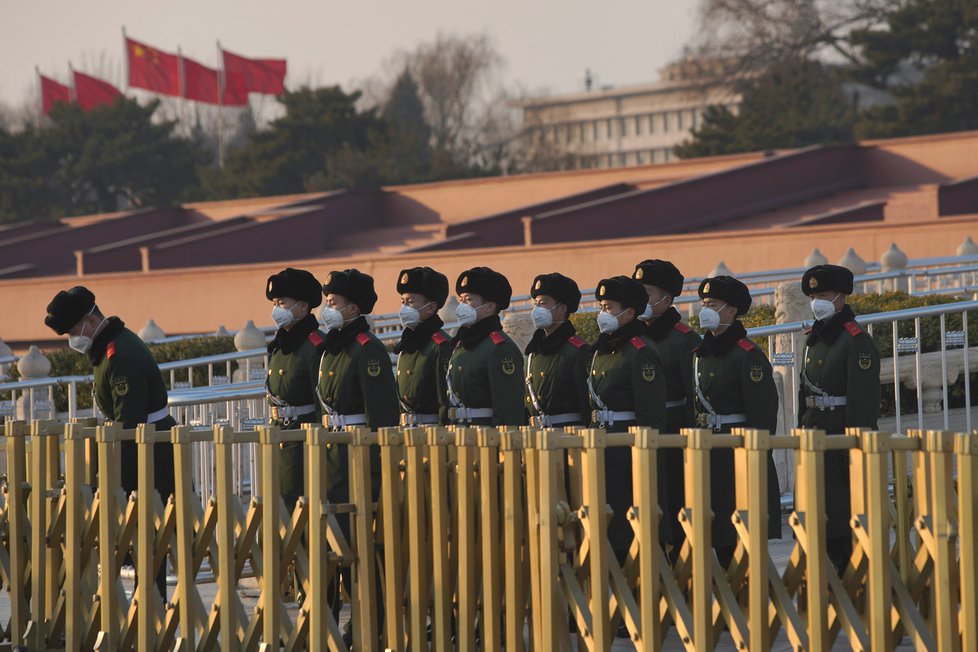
x=425 y=281
x=487 y=283
x=625 y=290
x=563 y=289
x=727 y=289
x=827 y=278
x=661 y=274
x=355 y=286
x=295 y=284
x=68 y=307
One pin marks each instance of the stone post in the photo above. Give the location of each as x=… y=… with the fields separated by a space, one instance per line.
x=967 y=248
x=32 y=366
x=894 y=260
x=856 y=265
x=247 y=339
x=815 y=258
x=790 y=305
x=151 y=332
x=519 y=326
x=721 y=270
x=5 y=352
x=447 y=313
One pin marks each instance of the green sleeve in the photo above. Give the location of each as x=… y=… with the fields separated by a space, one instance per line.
x=582 y=364
x=862 y=382
x=130 y=399
x=648 y=377
x=759 y=392
x=444 y=354
x=378 y=386
x=506 y=388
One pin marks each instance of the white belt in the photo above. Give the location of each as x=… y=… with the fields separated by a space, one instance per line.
x=415 y=419
x=671 y=404
x=465 y=414
x=290 y=412
x=610 y=417
x=825 y=402
x=159 y=415
x=551 y=420
x=344 y=420
x=717 y=421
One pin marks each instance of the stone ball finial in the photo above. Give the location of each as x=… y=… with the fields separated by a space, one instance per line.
x=34 y=365
x=853 y=262
x=893 y=259
x=221 y=332
x=815 y=258
x=447 y=312
x=968 y=247
x=721 y=270
x=519 y=326
x=151 y=332
x=249 y=337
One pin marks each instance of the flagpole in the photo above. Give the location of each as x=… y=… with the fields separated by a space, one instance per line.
x=220 y=105
x=125 y=76
x=72 y=92
x=182 y=86
x=38 y=96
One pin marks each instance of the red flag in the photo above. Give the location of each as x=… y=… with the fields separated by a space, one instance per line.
x=153 y=69
x=91 y=92
x=243 y=75
x=200 y=83
x=51 y=93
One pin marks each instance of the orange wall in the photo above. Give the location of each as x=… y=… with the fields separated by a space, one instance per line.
x=198 y=300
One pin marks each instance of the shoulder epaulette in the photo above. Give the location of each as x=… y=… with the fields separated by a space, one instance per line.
x=363 y=338
x=110 y=350
x=315 y=338
x=497 y=337
x=637 y=342
x=576 y=341
x=853 y=328
x=682 y=328
x=438 y=338
x=745 y=344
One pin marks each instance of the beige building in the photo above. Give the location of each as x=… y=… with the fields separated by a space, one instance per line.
x=625 y=126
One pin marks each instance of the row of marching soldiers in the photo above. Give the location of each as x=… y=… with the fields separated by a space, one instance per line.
x=646 y=368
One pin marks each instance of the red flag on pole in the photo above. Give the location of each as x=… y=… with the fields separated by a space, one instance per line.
x=201 y=83
x=51 y=93
x=243 y=75
x=91 y=92
x=153 y=69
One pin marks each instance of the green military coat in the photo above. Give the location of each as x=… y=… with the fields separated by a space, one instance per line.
x=557 y=371
x=293 y=370
x=422 y=362
x=627 y=375
x=486 y=371
x=841 y=360
x=675 y=343
x=735 y=377
x=128 y=387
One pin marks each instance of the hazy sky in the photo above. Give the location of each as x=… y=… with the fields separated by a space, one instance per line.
x=546 y=44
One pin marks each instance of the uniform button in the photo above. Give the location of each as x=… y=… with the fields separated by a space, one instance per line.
x=594 y=373
x=712 y=374
x=408 y=372
x=541 y=374
x=331 y=374
x=405 y=397
x=602 y=374
x=808 y=360
x=820 y=362
x=460 y=367
x=398 y=372
x=269 y=372
x=281 y=372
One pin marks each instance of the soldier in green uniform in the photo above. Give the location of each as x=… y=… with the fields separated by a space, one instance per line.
x=840 y=389
x=734 y=388
x=424 y=349
x=556 y=380
x=293 y=368
x=674 y=341
x=485 y=373
x=128 y=387
x=627 y=386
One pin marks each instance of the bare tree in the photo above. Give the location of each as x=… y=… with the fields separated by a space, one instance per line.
x=751 y=34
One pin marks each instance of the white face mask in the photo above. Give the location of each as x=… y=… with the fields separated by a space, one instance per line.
x=710 y=318
x=81 y=342
x=542 y=317
x=608 y=323
x=283 y=316
x=332 y=318
x=823 y=308
x=410 y=317
x=648 y=315
x=467 y=315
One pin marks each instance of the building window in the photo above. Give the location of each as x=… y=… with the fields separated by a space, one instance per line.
x=640 y=158
x=596 y=132
x=610 y=128
x=583 y=132
x=694 y=118
x=651 y=123
x=665 y=121
x=679 y=120
x=622 y=127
